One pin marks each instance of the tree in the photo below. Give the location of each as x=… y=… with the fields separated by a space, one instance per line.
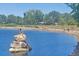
x=28 y=17
x=67 y=19
x=52 y=17
x=46 y=19
x=33 y=17
x=75 y=10
x=3 y=19
x=38 y=16
x=12 y=19
x=19 y=20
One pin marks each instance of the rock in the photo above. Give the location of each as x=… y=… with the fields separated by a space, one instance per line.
x=76 y=51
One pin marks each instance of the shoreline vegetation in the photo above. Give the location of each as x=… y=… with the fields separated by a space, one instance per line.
x=71 y=30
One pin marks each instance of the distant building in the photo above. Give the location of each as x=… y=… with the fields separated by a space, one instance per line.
x=42 y=23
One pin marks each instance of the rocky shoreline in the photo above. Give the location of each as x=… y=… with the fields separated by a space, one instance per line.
x=76 y=51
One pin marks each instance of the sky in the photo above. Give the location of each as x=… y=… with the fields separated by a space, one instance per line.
x=18 y=9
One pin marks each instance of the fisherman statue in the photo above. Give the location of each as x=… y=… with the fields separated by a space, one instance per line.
x=19 y=46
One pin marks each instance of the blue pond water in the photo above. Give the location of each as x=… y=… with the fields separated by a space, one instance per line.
x=43 y=43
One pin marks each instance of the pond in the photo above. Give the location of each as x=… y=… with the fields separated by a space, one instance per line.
x=43 y=43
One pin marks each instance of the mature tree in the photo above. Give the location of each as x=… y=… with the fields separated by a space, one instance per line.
x=28 y=17
x=67 y=19
x=19 y=20
x=52 y=17
x=11 y=19
x=46 y=19
x=33 y=17
x=39 y=16
x=75 y=10
x=3 y=19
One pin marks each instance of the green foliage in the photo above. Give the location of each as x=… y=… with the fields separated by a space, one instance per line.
x=67 y=19
x=19 y=20
x=33 y=17
x=52 y=17
x=75 y=10
x=3 y=19
x=11 y=19
x=37 y=17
